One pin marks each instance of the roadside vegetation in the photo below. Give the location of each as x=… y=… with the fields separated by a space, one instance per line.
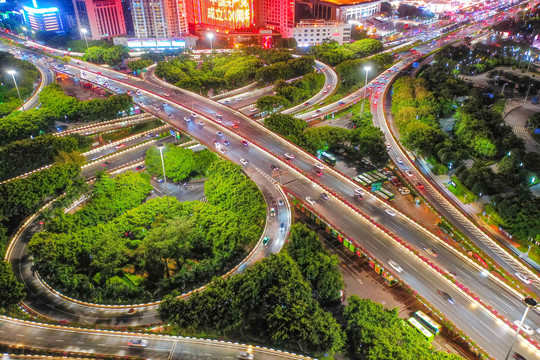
x=126 y=247
x=27 y=74
x=291 y=300
x=363 y=141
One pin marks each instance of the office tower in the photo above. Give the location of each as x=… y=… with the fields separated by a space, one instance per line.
x=101 y=18
x=158 y=18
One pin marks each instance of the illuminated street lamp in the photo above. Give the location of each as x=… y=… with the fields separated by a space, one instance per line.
x=160 y=146
x=12 y=73
x=84 y=31
x=33 y=34
x=367 y=69
x=24 y=29
x=527 y=95
x=529 y=303
x=210 y=36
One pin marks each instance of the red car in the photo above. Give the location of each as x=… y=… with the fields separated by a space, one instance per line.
x=420 y=185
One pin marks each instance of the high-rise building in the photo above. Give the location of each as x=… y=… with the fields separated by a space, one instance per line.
x=158 y=18
x=340 y=10
x=43 y=18
x=277 y=15
x=101 y=18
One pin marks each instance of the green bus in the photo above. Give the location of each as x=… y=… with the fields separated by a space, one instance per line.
x=328 y=158
x=428 y=322
x=421 y=328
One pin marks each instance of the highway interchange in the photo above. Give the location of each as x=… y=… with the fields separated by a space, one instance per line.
x=473 y=320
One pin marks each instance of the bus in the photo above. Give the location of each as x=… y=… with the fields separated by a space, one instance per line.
x=428 y=322
x=328 y=158
x=421 y=328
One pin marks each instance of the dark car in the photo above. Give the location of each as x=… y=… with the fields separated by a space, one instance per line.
x=140 y=167
x=324 y=196
x=106 y=163
x=219 y=133
x=318 y=172
x=282 y=227
x=245 y=143
x=274 y=167
x=446 y=296
x=226 y=142
x=518 y=356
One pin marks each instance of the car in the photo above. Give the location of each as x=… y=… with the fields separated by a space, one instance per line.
x=244 y=142
x=404 y=191
x=156 y=108
x=282 y=226
x=318 y=111
x=409 y=172
x=138 y=342
x=120 y=146
x=324 y=196
x=117 y=89
x=430 y=251
x=280 y=202
x=140 y=167
x=307 y=103
x=358 y=191
x=226 y=142
x=523 y=278
x=170 y=116
x=235 y=125
x=319 y=166
x=187 y=119
x=388 y=146
x=222 y=150
x=218 y=116
x=274 y=167
x=272 y=211
x=160 y=180
x=200 y=123
x=219 y=133
x=399 y=160
x=518 y=356
x=96 y=157
x=266 y=240
x=166 y=94
x=318 y=172
x=395 y=265
x=125 y=77
x=390 y=212
x=289 y=156
x=252 y=109
x=244 y=355
x=420 y=185
x=243 y=161
x=106 y=163
x=526 y=328
x=139 y=92
x=164 y=104
x=325 y=91
x=310 y=200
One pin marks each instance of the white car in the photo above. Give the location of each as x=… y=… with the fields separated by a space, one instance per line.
x=310 y=200
x=390 y=212
x=523 y=278
x=409 y=172
x=243 y=161
x=289 y=156
x=319 y=166
x=253 y=109
x=200 y=123
x=526 y=328
x=157 y=109
x=138 y=342
x=244 y=355
x=222 y=150
x=399 y=160
x=358 y=191
x=395 y=265
x=193 y=115
x=186 y=119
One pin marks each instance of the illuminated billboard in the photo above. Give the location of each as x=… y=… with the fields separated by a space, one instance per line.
x=227 y=14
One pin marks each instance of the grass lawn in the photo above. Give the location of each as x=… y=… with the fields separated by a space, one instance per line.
x=462 y=193
x=135 y=279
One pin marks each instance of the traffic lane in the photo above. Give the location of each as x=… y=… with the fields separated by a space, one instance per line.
x=250 y=98
x=123 y=158
x=158 y=347
x=98 y=153
x=421 y=278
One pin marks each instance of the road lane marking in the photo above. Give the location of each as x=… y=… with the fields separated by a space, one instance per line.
x=39 y=338
x=20 y=335
x=59 y=340
x=80 y=342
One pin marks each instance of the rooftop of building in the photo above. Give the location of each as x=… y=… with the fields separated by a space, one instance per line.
x=349 y=2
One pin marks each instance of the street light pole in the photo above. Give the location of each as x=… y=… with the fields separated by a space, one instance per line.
x=210 y=36
x=367 y=68
x=502 y=92
x=529 y=303
x=12 y=73
x=24 y=29
x=160 y=146
x=85 y=38
x=527 y=95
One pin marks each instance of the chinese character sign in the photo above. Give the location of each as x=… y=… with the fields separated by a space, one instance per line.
x=230 y=14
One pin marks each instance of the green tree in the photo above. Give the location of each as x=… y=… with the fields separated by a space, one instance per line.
x=285 y=125
x=179 y=162
x=12 y=290
x=271 y=103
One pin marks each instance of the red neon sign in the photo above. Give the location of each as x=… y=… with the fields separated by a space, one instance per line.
x=229 y=14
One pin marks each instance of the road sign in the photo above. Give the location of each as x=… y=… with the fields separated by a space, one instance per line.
x=172 y=132
x=376 y=186
x=535 y=100
x=414 y=64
